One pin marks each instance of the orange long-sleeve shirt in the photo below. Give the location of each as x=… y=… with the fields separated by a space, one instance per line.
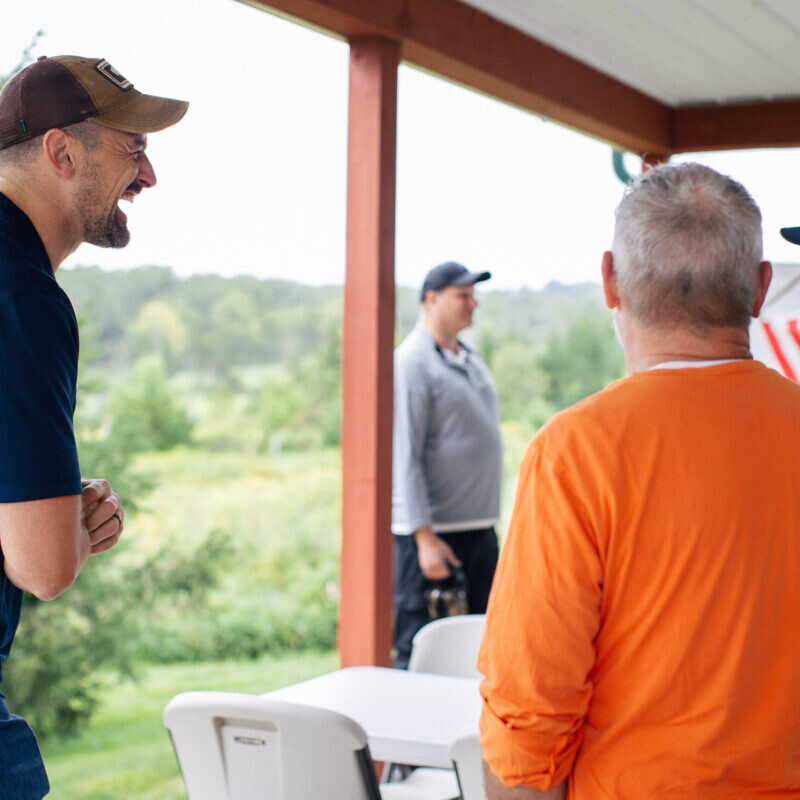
x=643 y=634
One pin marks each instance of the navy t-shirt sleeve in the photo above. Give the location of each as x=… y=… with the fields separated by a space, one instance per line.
x=38 y=381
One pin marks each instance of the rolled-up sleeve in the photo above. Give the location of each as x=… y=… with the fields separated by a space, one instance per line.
x=412 y=402
x=538 y=653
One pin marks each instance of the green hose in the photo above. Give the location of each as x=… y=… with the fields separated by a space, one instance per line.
x=619 y=168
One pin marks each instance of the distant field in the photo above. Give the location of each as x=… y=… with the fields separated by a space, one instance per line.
x=283 y=512
x=126 y=754
x=254 y=496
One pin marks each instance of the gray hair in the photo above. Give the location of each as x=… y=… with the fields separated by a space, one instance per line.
x=687 y=248
x=88 y=133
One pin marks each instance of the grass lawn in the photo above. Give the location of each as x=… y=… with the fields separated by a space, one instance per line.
x=126 y=754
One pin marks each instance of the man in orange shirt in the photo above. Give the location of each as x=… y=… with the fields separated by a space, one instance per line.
x=641 y=636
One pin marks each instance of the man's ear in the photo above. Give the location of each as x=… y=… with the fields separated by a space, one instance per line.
x=59 y=149
x=609 y=280
x=764 y=279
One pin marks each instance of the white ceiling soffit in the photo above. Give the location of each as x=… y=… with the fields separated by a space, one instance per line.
x=681 y=52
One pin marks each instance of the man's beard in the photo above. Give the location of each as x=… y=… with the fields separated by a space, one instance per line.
x=99 y=227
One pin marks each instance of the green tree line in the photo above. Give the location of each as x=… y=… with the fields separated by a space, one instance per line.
x=281 y=343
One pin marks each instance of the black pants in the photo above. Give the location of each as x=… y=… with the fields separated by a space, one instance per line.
x=477 y=550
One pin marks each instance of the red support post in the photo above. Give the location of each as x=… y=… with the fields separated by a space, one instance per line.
x=367 y=352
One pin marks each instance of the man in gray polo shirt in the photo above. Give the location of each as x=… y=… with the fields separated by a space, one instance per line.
x=447 y=457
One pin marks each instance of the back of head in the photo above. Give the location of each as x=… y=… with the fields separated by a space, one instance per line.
x=687 y=248
x=23 y=154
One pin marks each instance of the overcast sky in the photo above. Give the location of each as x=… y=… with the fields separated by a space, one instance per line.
x=254 y=179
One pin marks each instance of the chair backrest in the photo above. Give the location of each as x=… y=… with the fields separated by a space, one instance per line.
x=449 y=646
x=245 y=747
x=467 y=758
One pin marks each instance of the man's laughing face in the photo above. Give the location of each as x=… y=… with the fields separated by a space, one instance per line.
x=118 y=169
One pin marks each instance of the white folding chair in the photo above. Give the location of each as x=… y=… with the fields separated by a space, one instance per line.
x=446 y=646
x=449 y=646
x=244 y=747
x=467 y=757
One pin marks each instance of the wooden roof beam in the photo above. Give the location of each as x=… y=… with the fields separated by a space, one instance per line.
x=736 y=126
x=465 y=45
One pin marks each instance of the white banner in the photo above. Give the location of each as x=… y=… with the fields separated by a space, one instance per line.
x=775 y=340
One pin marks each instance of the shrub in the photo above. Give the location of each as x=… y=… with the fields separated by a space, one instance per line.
x=581 y=361
x=290 y=604
x=146 y=414
x=62 y=646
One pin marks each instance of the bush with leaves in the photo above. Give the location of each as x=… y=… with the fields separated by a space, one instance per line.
x=582 y=360
x=158 y=329
x=294 y=606
x=146 y=414
x=64 y=647
x=301 y=407
x=521 y=382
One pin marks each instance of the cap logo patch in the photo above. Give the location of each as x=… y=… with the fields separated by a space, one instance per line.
x=110 y=74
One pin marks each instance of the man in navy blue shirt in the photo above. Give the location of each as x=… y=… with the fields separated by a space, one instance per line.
x=73 y=133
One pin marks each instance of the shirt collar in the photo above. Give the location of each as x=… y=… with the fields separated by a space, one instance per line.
x=425 y=334
x=693 y=364
x=16 y=225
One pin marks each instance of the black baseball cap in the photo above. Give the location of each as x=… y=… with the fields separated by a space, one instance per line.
x=451 y=274
x=791 y=235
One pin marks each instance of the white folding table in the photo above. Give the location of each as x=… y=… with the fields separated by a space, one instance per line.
x=409 y=717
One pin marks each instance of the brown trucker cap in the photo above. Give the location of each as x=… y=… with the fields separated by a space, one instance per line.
x=60 y=91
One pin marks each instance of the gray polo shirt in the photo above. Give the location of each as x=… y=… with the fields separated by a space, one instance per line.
x=448 y=457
